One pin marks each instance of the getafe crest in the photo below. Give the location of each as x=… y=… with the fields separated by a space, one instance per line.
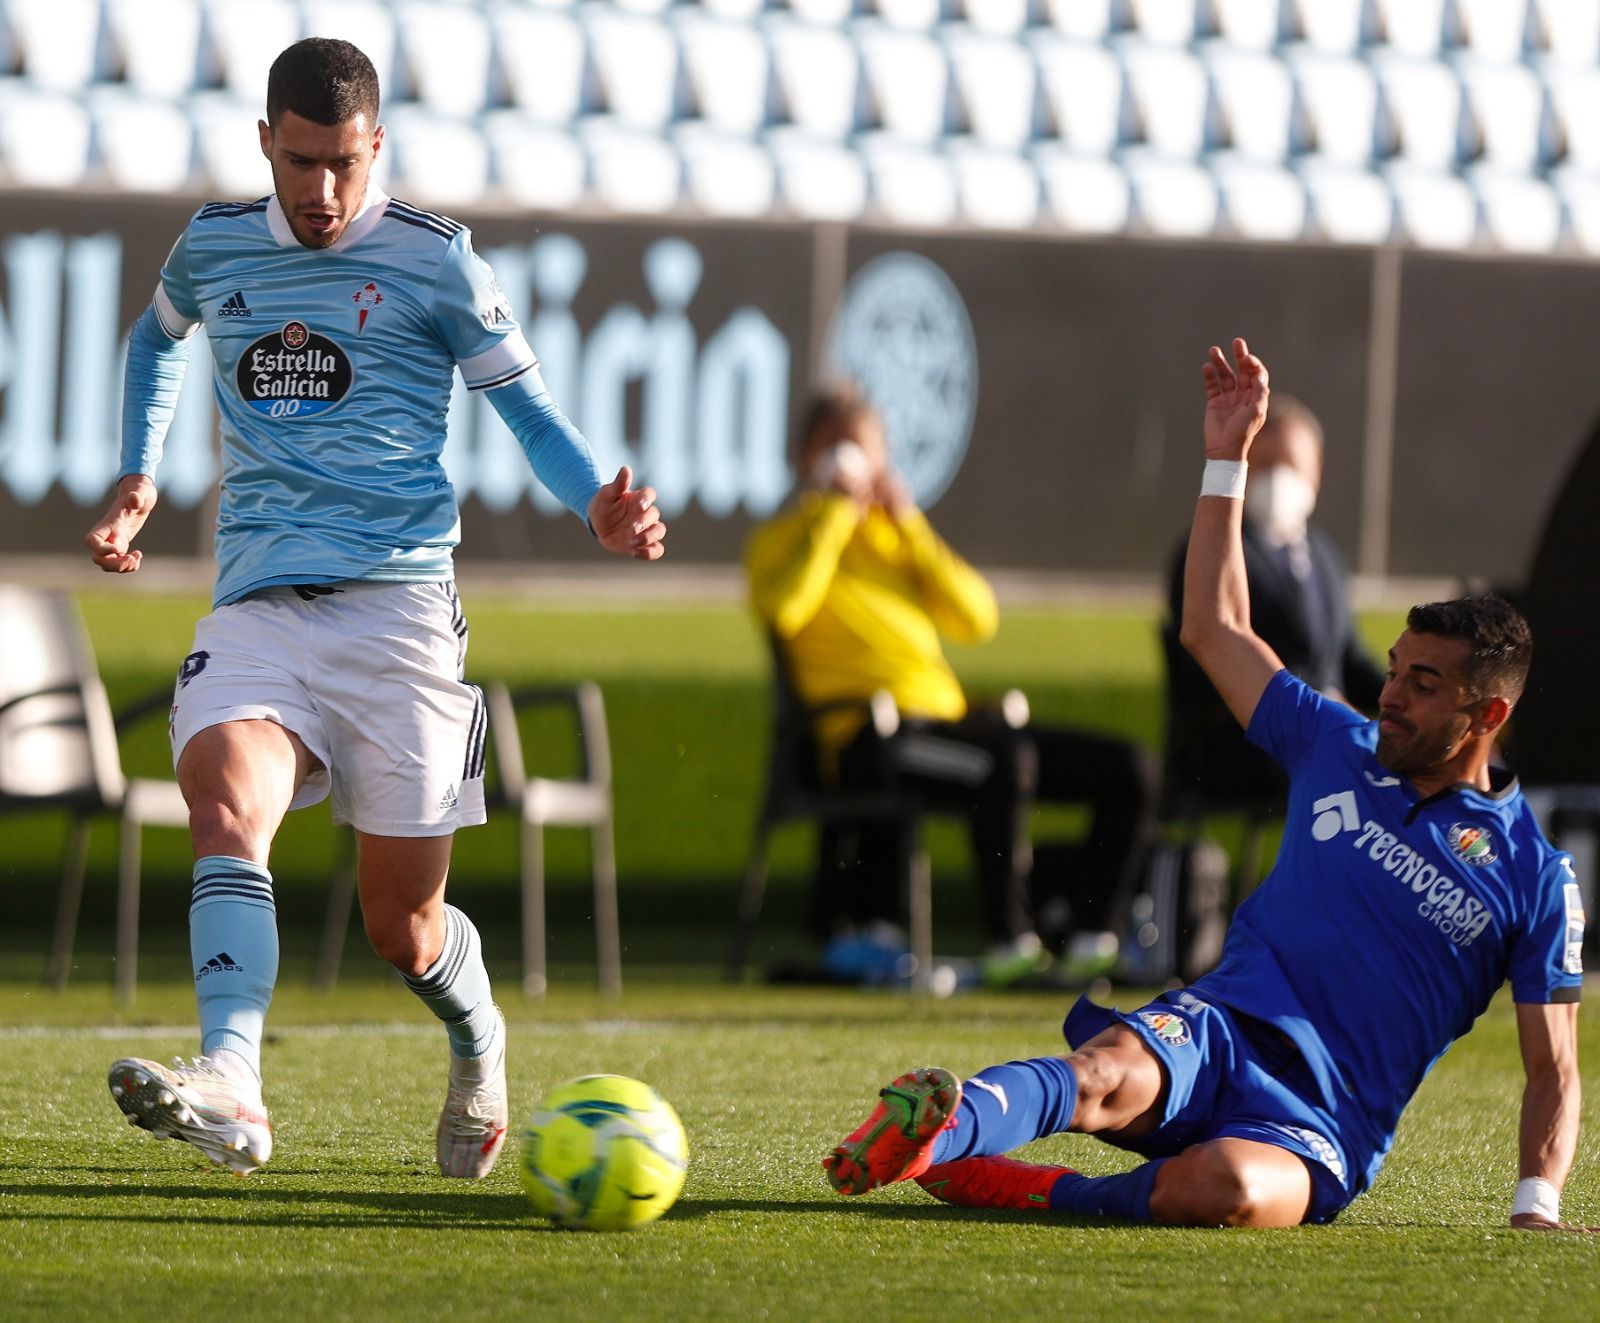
x=1171 y=1029
x=1471 y=845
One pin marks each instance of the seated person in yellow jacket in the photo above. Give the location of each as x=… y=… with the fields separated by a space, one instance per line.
x=858 y=590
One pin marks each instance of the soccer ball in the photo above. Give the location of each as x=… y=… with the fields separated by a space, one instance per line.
x=603 y=1153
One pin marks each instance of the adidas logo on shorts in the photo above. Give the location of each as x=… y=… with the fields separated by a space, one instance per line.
x=448 y=800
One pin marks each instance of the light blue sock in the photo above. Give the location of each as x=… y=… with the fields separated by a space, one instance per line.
x=233 y=940
x=1005 y=1107
x=1127 y=1194
x=456 y=987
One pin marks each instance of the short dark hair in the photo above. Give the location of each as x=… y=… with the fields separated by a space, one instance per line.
x=831 y=412
x=324 y=80
x=1498 y=634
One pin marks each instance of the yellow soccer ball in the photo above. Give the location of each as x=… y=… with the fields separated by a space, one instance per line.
x=603 y=1153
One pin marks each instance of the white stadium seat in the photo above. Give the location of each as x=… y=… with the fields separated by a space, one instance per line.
x=1424 y=104
x=366 y=24
x=225 y=136
x=1348 y=204
x=1569 y=29
x=1520 y=214
x=633 y=170
x=998 y=83
x=44 y=136
x=1086 y=92
x=245 y=39
x=819 y=78
x=1087 y=194
x=730 y=72
x=1081 y=20
x=996 y=189
x=1257 y=25
x=58 y=40
x=1510 y=113
x=824 y=13
x=1172 y=198
x=535 y=165
x=1579 y=191
x=1256 y=94
x=636 y=58
x=1167 y=22
x=725 y=174
x=1495 y=30
x=1436 y=210
x=439 y=161
x=158 y=42
x=911 y=184
x=544 y=53
x=146 y=143
x=446 y=48
x=917 y=15
x=818 y=179
x=1173 y=98
x=1339 y=95
x=1338 y=27
x=1003 y=18
x=1575 y=100
x=1415 y=27
x=908 y=75
x=739 y=10
x=650 y=7
x=1260 y=201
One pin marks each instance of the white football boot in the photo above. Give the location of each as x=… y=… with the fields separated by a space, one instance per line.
x=214 y=1109
x=472 y=1127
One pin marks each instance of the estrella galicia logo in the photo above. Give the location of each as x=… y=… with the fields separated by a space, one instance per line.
x=1472 y=845
x=293 y=373
x=192 y=665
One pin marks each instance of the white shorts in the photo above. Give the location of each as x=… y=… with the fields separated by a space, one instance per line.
x=370 y=678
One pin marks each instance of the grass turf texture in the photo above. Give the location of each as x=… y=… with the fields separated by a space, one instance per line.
x=349 y=1220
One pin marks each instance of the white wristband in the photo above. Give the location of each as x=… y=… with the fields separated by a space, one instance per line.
x=1224 y=477
x=1537 y=1195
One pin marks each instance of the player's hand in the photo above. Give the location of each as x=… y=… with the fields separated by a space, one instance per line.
x=893 y=493
x=626 y=520
x=1236 y=401
x=1535 y=1222
x=109 y=540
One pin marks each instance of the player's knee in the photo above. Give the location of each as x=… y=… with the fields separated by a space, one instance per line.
x=1204 y=1188
x=224 y=824
x=401 y=942
x=1100 y=1074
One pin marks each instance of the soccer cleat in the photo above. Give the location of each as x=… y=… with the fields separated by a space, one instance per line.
x=472 y=1127
x=200 y=1103
x=896 y=1141
x=992 y=1182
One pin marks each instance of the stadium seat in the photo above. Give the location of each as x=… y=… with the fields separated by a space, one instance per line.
x=1339 y=97
x=998 y=83
x=244 y=39
x=1002 y=18
x=1575 y=101
x=445 y=49
x=995 y=189
x=368 y=24
x=157 y=43
x=581 y=800
x=737 y=10
x=1509 y=114
x=58 y=40
x=438 y=161
x=146 y=143
x=1520 y=214
x=1337 y=27
x=640 y=73
x=1348 y=204
x=535 y=165
x=225 y=136
x=915 y=15
x=1172 y=198
x=1423 y=105
x=1256 y=95
x=1416 y=27
x=730 y=73
x=1568 y=29
x=1081 y=20
x=58 y=750
x=1256 y=25
x=819 y=78
x=545 y=57
x=1086 y=94
x=44 y=136
x=908 y=78
x=818 y=179
x=1435 y=210
x=1495 y=30
x=911 y=184
x=1173 y=98
x=726 y=174
x=825 y=13
x=1260 y=201
x=631 y=169
x=1167 y=22
x=1086 y=193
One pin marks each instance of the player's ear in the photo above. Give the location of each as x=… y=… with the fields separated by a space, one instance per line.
x=1492 y=714
x=377 y=141
x=265 y=130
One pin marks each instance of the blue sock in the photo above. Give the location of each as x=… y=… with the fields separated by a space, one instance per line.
x=233 y=939
x=456 y=987
x=1126 y=1194
x=1004 y=1107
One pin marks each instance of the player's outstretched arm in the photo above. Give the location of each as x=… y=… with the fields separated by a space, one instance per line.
x=110 y=540
x=1216 y=597
x=625 y=519
x=1548 y=1135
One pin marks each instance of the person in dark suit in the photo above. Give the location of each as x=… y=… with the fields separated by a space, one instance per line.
x=1299 y=603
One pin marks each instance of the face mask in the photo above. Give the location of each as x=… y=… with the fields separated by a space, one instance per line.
x=1278 y=501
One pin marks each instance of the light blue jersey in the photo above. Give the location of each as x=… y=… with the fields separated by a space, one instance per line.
x=1389 y=920
x=334 y=369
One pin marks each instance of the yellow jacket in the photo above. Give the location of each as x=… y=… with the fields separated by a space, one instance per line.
x=859 y=601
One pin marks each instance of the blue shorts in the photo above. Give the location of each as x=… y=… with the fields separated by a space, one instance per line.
x=1229 y=1076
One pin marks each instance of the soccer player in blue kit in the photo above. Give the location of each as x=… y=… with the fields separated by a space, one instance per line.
x=333 y=659
x=1412 y=882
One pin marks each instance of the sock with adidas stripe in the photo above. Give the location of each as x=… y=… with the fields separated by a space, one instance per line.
x=456 y=988
x=233 y=939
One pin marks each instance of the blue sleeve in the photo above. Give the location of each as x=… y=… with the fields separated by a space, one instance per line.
x=473 y=320
x=554 y=447
x=154 y=376
x=1547 y=955
x=1292 y=716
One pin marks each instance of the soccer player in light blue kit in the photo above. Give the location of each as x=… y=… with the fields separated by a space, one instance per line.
x=333 y=659
x=1412 y=882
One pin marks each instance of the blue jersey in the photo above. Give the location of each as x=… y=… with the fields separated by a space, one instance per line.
x=334 y=369
x=1389 y=920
